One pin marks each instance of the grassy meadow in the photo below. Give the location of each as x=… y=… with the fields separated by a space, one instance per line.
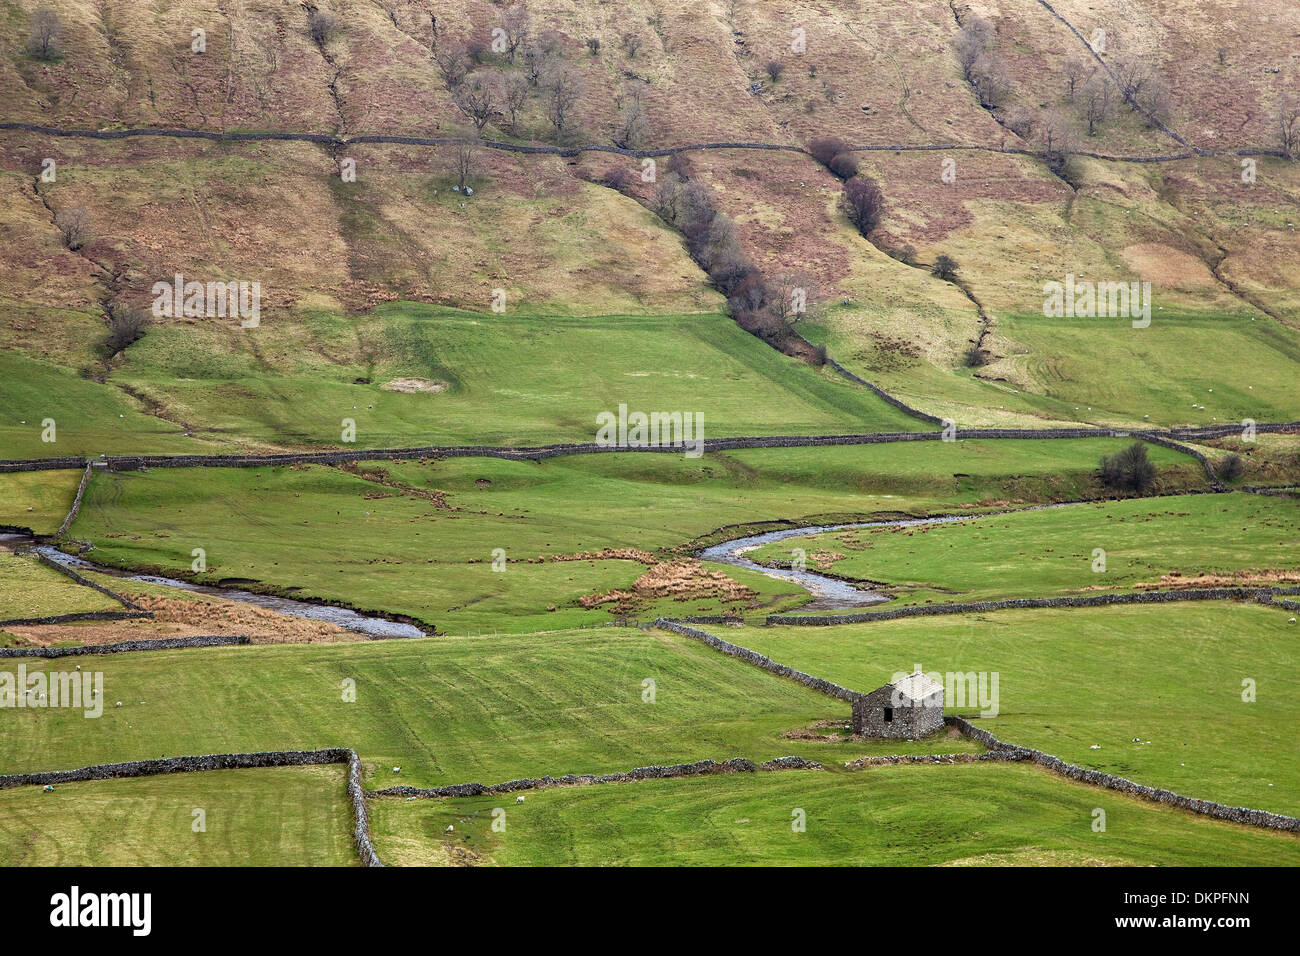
x=270 y=816
x=929 y=815
x=1173 y=675
x=30 y=589
x=444 y=710
x=418 y=538
x=1236 y=539
x=37 y=500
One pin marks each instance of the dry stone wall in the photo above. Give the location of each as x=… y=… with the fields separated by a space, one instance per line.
x=1219 y=811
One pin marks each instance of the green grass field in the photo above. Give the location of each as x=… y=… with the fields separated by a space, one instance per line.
x=446 y=710
x=509 y=379
x=37 y=500
x=89 y=418
x=1101 y=371
x=272 y=816
x=33 y=590
x=395 y=549
x=1158 y=374
x=1050 y=552
x=1072 y=678
x=957 y=814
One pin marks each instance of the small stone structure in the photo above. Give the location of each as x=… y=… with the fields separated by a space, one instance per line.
x=909 y=708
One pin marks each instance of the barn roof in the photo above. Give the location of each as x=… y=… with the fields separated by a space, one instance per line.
x=915 y=686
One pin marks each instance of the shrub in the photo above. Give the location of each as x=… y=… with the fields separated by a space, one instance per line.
x=126 y=325
x=827 y=148
x=322 y=25
x=1128 y=470
x=844 y=165
x=1231 y=468
x=616 y=177
x=774 y=69
x=74 y=223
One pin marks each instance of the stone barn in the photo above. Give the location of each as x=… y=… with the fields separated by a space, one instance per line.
x=909 y=708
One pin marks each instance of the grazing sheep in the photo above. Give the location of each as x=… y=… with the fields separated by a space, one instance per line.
x=449 y=828
x=519 y=799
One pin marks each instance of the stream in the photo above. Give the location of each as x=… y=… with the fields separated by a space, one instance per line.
x=374 y=627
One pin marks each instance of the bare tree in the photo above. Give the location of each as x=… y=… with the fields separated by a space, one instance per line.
x=863 y=203
x=1054 y=140
x=1288 y=126
x=972 y=41
x=632 y=43
x=43 y=40
x=1077 y=71
x=463 y=161
x=792 y=295
x=514 y=96
x=478 y=98
x=991 y=80
x=1155 y=101
x=74 y=222
x=127 y=324
x=774 y=69
x=453 y=64
x=632 y=125
x=1097 y=95
x=539 y=54
x=1132 y=73
x=562 y=88
x=516 y=25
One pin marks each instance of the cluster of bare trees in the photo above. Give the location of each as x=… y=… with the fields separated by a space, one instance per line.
x=765 y=307
x=1144 y=88
x=980 y=63
x=862 y=201
x=1136 y=81
x=483 y=96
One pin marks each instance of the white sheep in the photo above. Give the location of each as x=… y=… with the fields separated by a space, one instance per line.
x=449 y=828
x=519 y=799
x=397 y=770
x=118 y=704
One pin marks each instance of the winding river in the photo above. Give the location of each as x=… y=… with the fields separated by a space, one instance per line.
x=828 y=593
x=374 y=627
